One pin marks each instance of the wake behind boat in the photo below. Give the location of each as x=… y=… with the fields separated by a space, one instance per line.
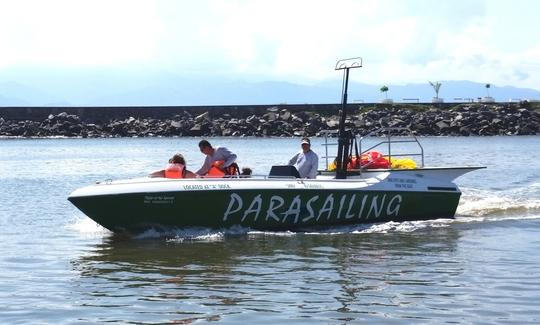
x=280 y=201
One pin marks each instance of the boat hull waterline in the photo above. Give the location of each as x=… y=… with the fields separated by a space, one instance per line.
x=271 y=204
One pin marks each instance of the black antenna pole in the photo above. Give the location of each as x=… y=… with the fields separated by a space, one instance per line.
x=344 y=135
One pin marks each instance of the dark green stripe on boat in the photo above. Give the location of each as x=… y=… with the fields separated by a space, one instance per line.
x=263 y=209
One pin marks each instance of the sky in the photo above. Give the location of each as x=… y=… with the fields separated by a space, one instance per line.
x=400 y=41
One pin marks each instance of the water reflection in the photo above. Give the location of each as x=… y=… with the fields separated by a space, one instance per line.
x=482 y=268
x=330 y=276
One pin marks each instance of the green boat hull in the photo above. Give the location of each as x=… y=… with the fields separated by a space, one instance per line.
x=293 y=209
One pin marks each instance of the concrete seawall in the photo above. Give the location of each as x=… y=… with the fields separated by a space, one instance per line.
x=103 y=114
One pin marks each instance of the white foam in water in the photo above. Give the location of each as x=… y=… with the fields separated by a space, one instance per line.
x=150 y=233
x=512 y=204
x=463 y=219
x=286 y=233
x=208 y=235
x=200 y=236
x=406 y=226
x=86 y=226
x=192 y=234
x=481 y=203
x=385 y=227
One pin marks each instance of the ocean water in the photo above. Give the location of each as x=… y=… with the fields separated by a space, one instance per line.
x=57 y=266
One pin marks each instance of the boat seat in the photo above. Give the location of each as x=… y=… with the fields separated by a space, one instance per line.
x=284 y=171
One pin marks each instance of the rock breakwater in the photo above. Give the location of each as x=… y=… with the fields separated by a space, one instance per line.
x=460 y=120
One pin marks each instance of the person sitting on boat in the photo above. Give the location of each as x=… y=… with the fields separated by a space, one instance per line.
x=176 y=168
x=219 y=161
x=246 y=172
x=306 y=161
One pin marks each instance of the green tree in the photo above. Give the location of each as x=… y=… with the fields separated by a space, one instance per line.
x=384 y=89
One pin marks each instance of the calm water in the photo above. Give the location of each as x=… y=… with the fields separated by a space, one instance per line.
x=57 y=266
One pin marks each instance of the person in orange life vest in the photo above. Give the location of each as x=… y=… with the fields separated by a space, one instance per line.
x=217 y=160
x=175 y=169
x=305 y=161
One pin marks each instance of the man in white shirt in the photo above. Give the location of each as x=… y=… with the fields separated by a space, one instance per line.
x=213 y=155
x=305 y=161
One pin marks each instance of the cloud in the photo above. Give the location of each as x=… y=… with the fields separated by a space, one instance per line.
x=520 y=75
x=298 y=41
x=77 y=32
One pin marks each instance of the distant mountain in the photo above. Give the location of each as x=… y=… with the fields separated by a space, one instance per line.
x=220 y=93
x=101 y=89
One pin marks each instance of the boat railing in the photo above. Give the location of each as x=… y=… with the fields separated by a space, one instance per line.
x=328 y=134
x=392 y=136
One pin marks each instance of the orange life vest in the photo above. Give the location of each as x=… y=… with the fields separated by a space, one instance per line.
x=215 y=170
x=174 y=171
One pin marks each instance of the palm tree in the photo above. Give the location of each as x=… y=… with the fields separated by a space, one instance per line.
x=436 y=86
x=384 y=89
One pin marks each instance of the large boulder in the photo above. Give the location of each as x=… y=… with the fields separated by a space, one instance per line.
x=202 y=117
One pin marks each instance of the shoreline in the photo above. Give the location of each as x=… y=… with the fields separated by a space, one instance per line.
x=474 y=119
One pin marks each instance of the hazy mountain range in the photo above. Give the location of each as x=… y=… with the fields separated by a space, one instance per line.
x=102 y=89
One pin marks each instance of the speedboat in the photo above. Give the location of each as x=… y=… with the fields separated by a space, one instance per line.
x=281 y=200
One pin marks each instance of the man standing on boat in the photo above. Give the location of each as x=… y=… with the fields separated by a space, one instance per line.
x=217 y=162
x=306 y=161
